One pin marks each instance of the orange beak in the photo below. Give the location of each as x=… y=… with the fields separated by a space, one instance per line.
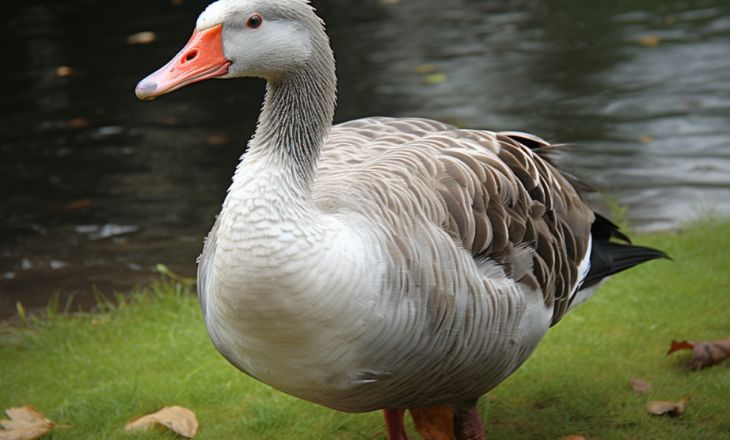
x=202 y=58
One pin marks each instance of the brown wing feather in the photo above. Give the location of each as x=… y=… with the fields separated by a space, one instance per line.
x=490 y=192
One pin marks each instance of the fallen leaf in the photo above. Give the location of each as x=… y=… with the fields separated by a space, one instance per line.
x=217 y=139
x=680 y=345
x=705 y=168
x=670 y=20
x=178 y=419
x=573 y=437
x=640 y=385
x=435 y=78
x=64 y=71
x=166 y=271
x=645 y=139
x=662 y=407
x=650 y=40
x=78 y=122
x=425 y=68
x=146 y=37
x=78 y=204
x=704 y=353
x=26 y=423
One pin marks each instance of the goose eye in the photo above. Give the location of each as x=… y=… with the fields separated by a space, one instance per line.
x=254 y=21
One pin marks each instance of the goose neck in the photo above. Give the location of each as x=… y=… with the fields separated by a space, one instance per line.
x=296 y=116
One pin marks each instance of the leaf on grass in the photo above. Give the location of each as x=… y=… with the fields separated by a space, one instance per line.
x=704 y=354
x=26 y=423
x=573 y=437
x=166 y=271
x=662 y=407
x=178 y=419
x=640 y=385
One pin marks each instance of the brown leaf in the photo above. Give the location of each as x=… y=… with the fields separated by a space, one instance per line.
x=640 y=385
x=650 y=40
x=26 y=423
x=704 y=353
x=64 y=71
x=78 y=204
x=573 y=437
x=178 y=419
x=218 y=139
x=662 y=407
x=78 y=122
x=425 y=68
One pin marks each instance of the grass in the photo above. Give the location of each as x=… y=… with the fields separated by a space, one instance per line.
x=96 y=371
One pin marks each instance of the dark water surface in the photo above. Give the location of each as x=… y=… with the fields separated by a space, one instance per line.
x=96 y=187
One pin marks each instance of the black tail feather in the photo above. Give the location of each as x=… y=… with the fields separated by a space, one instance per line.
x=608 y=258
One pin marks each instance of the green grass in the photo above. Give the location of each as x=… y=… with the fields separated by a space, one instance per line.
x=97 y=371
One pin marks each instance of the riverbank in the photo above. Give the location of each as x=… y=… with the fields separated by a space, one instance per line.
x=96 y=371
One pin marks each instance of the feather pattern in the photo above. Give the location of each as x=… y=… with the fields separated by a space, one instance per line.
x=493 y=195
x=383 y=262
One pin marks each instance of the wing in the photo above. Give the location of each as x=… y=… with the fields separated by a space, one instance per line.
x=490 y=192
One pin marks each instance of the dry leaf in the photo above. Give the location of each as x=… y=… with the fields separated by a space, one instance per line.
x=640 y=385
x=78 y=204
x=425 y=68
x=179 y=419
x=146 y=37
x=26 y=423
x=650 y=40
x=704 y=354
x=78 y=122
x=662 y=407
x=573 y=437
x=434 y=422
x=217 y=139
x=645 y=139
x=64 y=71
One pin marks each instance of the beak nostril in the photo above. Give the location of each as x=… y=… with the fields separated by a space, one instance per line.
x=190 y=56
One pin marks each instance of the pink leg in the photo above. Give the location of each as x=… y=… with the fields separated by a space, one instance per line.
x=394 y=423
x=468 y=425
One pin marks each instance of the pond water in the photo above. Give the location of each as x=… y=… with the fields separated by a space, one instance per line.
x=96 y=188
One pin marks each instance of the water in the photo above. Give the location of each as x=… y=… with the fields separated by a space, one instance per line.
x=96 y=188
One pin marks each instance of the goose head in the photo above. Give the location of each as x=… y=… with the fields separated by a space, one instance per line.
x=241 y=38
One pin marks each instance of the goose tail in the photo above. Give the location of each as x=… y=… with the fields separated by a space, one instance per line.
x=610 y=257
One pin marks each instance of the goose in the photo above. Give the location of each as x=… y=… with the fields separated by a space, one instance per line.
x=383 y=263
